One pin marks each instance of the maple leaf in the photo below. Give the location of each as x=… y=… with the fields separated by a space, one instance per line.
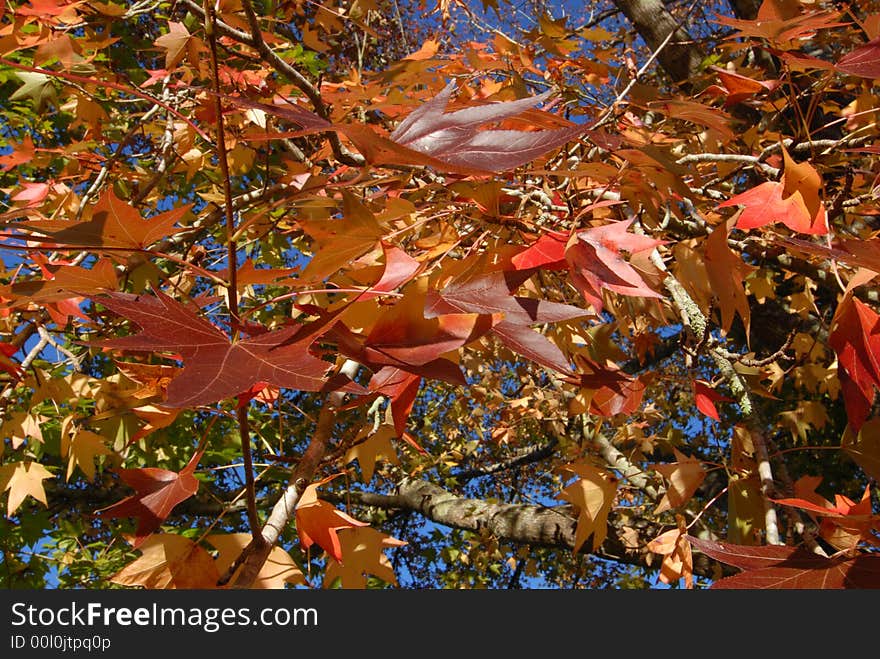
x=595 y=262
x=446 y=141
x=684 y=476
x=177 y=44
x=727 y=272
x=844 y=523
x=605 y=390
x=399 y=268
x=23 y=479
x=677 y=559
x=781 y=567
x=318 y=522
x=401 y=388
x=341 y=241
x=158 y=492
x=367 y=449
x=864 y=61
x=215 y=368
x=112 y=222
x=404 y=338
x=278 y=570
x=547 y=253
x=169 y=561
x=18 y=426
x=793 y=200
x=490 y=293
x=855 y=338
x=706 y=397
x=362 y=554
x=81 y=448
x=592 y=494
x=737 y=88
x=7 y=350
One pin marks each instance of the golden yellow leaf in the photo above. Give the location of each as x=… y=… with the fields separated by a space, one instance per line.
x=592 y=494
x=81 y=449
x=169 y=561
x=278 y=570
x=683 y=477
x=677 y=558
x=375 y=446
x=22 y=479
x=362 y=554
x=18 y=426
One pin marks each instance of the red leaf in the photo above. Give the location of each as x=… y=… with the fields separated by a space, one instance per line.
x=864 y=61
x=401 y=388
x=158 y=491
x=781 y=567
x=490 y=293
x=548 y=253
x=214 y=368
x=855 y=338
x=706 y=397
x=595 y=262
x=609 y=390
x=317 y=522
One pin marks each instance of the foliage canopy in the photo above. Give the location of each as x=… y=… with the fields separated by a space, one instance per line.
x=380 y=293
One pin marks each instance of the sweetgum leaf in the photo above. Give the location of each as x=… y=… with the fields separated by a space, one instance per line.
x=214 y=367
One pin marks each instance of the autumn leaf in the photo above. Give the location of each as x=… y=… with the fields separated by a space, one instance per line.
x=278 y=570
x=363 y=553
x=169 y=561
x=706 y=397
x=401 y=388
x=112 y=222
x=604 y=389
x=727 y=271
x=683 y=478
x=592 y=494
x=855 y=338
x=81 y=447
x=844 y=523
x=214 y=367
x=793 y=200
x=369 y=447
x=446 y=141
x=22 y=479
x=863 y=61
x=177 y=44
x=491 y=293
x=158 y=491
x=737 y=88
x=782 y=567
x=318 y=522
x=677 y=562
x=595 y=262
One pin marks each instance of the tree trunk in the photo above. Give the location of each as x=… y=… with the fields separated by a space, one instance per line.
x=681 y=57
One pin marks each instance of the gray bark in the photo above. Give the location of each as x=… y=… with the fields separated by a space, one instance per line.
x=681 y=57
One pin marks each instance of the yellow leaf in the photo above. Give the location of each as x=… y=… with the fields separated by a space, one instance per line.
x=676 y=551
x=169 y=561
x=362 y=554
x=81 y=450
x=174 y=43
x=22 y=479
x=592 y=494
x=368 y=451
x=684 y=477
x=18 y=426
x=278 y=570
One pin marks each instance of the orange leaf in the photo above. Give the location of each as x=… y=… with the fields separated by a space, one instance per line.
x=592 y=494
x=317 y=522
x=683 y=476
x=169 y=561
x=362 y=553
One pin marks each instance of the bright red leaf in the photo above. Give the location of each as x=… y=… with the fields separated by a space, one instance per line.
x=855 y=337
x=706 y=397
